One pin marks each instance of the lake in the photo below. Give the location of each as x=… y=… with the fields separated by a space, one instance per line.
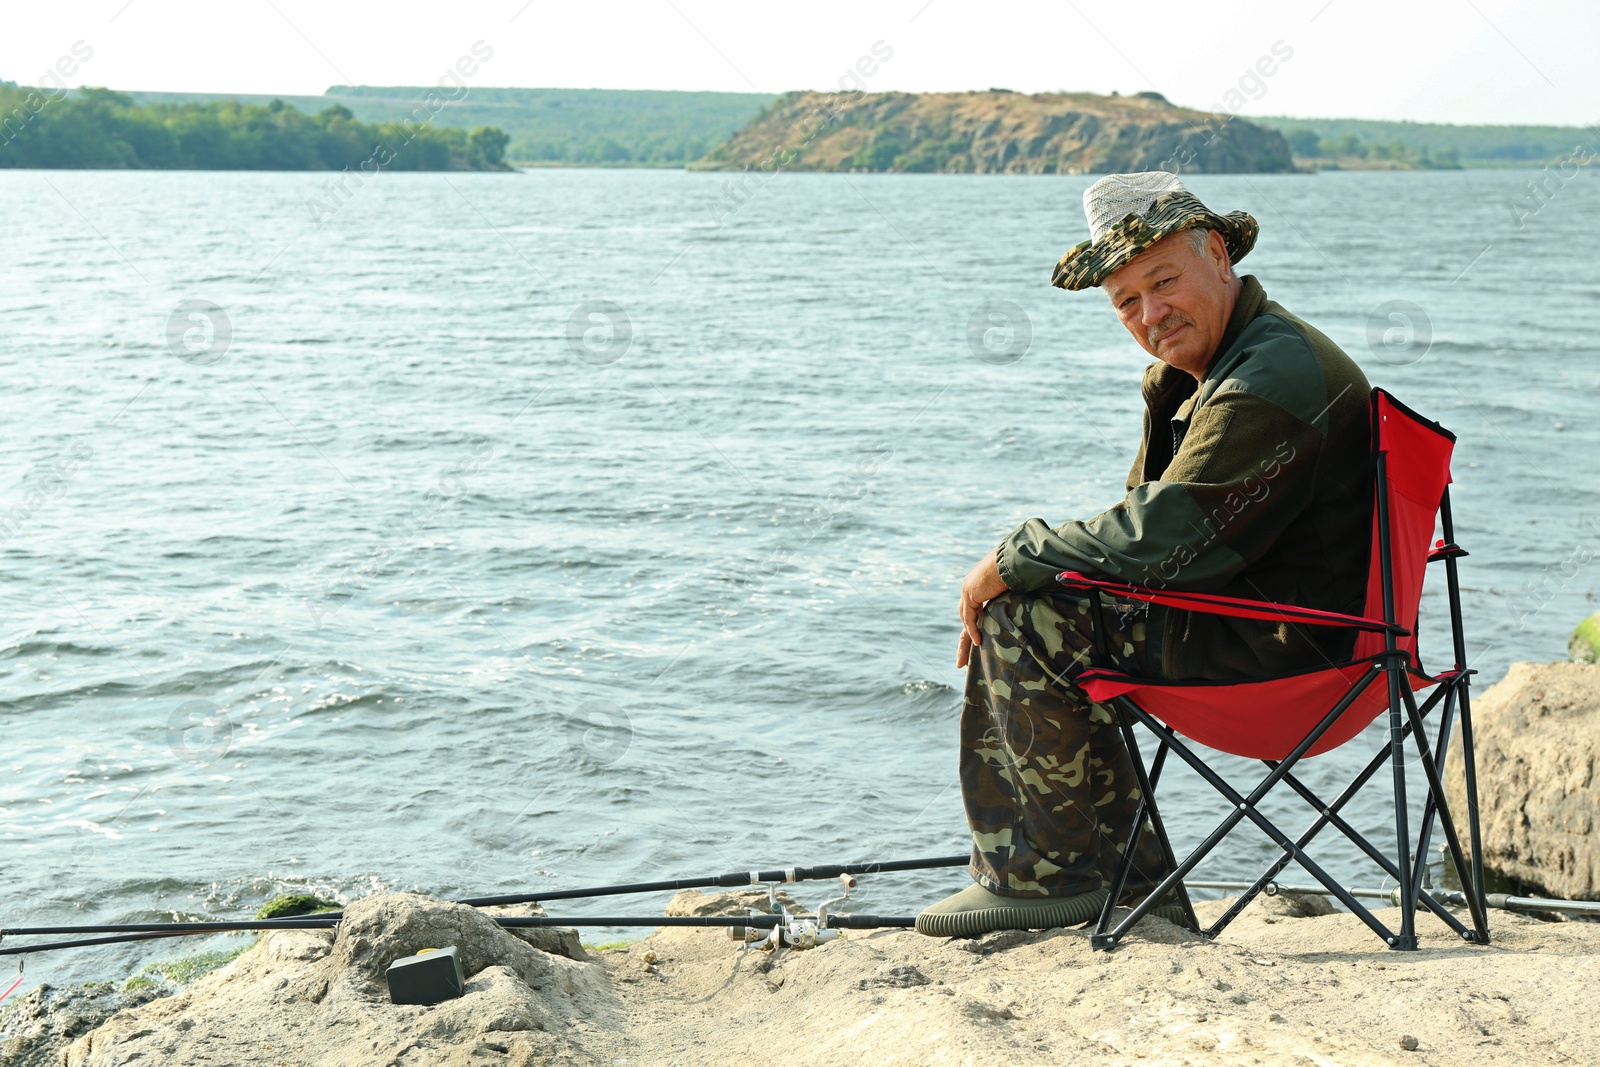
x=537 y=530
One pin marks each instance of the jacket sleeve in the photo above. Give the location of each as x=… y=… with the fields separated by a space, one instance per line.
x=1245 y=469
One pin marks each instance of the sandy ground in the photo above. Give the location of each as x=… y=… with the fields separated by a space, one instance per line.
x=1275 y=989
x=1280 y=987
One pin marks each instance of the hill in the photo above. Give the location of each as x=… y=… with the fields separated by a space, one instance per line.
x=615 y=127
x=998 y=131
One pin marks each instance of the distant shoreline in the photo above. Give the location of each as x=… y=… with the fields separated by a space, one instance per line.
x=649 y=129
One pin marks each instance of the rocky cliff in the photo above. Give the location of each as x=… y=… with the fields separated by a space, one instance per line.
x=997 y=132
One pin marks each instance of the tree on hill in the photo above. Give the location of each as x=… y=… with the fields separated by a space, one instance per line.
x=99 y=128
x=1304 y=143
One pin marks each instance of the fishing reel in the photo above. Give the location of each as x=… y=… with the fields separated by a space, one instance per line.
x=792 y=931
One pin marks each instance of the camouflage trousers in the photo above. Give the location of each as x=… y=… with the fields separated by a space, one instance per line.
x=1049 y=788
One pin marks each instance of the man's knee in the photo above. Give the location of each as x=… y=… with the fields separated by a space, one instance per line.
x=1006 y=608
x=1053 y=623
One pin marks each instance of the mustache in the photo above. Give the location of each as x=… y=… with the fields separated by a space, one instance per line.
x=1166 y=325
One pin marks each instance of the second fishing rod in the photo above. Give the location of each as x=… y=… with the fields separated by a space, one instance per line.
x=116 y=933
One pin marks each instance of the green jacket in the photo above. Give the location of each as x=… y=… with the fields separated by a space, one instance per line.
x=1251 y=483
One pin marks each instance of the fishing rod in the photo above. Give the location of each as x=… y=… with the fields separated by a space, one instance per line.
x=513 y=922
x=1499 y=901
x=119 y=933
x=156 y=931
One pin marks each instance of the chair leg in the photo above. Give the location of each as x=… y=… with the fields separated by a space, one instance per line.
x=1406 y=939
x=1446 y=823
x=1475 y=891
x=1430 y=808
x=1119 y=882
x=1181 y=891
x=1451 y=691
x=1103 y=937
x=1119 y=879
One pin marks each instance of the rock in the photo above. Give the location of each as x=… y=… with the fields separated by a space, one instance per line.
x=903 y=976
x=559 y=940
x=978 y=1011
x=1408 y=1042
x=1538 y=741
x=738 y=902
x=37 y=1026
x=1293 y=905
x=1001 y=940
x=315 y=997
x=1584 y=647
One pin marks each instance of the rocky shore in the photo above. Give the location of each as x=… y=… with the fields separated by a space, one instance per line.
x=1291 y=982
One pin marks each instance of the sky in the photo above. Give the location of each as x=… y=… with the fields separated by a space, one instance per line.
x=1461 y=61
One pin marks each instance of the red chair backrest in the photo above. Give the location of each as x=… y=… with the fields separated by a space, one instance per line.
x=1415 y=471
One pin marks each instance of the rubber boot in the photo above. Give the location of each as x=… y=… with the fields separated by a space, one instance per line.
x=975 y=911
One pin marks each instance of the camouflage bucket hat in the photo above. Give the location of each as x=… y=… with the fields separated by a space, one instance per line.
x=1130 y=212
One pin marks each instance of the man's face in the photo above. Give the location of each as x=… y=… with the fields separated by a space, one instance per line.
x=1176 y=301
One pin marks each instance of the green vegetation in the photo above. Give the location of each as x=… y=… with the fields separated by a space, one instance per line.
x=932 y=150
x=606 y=127
x=932 y=156
x=285 y=905
x=138 y=982
x=186 y=969
x=104 y=129
x=1584 y=646
x=620 y=127
x=1305 y=144
x=1424 y=144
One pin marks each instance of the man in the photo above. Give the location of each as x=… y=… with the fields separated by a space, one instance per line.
x=1251 y=480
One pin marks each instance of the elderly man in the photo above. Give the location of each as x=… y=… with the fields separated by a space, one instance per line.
x=1251 y=480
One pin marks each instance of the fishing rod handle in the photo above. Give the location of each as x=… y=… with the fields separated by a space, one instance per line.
x=870 y=922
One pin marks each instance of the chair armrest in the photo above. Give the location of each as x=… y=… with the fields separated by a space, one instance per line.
x=1216 y=604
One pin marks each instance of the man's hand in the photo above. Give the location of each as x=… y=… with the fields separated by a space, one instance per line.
x=982 y=584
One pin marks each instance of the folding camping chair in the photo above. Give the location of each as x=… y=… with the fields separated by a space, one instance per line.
x=1284 y=719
